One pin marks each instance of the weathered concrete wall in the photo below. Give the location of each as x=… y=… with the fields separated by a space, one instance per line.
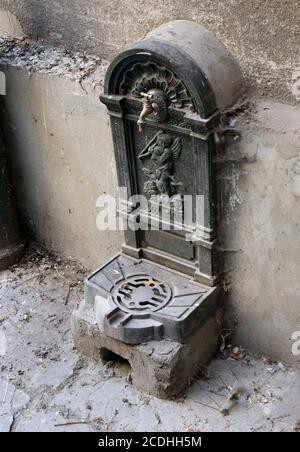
x=60 y=143
x=60 y=146
x=260 y=228
x=263 y=35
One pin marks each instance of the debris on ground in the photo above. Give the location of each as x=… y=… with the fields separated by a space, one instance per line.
x=231 y=399
x=37 y=56
x=297 y=426
x=45 y=385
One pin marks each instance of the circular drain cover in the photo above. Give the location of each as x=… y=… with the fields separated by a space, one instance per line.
x=141 y=293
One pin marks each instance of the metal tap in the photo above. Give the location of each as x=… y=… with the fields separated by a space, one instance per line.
x=148 y=108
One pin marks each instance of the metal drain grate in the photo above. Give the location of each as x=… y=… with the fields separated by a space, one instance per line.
x=141 y=293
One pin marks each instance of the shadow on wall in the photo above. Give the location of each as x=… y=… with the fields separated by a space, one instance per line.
x=11 y=246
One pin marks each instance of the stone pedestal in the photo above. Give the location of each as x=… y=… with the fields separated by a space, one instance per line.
x=161 y=368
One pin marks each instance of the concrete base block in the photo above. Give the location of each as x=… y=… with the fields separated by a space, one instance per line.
x=160 y=368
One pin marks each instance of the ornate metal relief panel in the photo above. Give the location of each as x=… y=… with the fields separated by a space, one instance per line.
x=168 y=156
x=142 y=77
x=163 y=151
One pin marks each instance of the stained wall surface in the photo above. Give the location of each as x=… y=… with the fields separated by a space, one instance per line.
x=263 y=35
x=59 y=140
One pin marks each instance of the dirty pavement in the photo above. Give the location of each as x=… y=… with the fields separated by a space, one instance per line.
x=46 y=386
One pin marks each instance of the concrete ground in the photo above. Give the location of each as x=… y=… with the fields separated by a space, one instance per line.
x=46 y=386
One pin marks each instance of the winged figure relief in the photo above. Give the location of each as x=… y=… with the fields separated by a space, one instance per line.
x=163 y=150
